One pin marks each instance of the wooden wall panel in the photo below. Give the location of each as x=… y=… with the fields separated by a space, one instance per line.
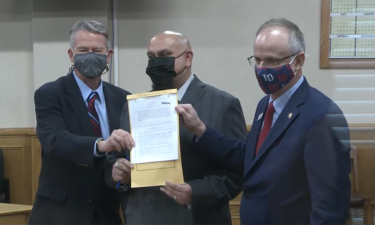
x=36 y=152
x=22 y=155
x=14 y=167
x=363 y=137
x=16 y=145
x=234 y=206
x=366 y=168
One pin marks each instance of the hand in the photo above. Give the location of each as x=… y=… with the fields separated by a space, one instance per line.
x=190 y=119
x=121 y=171
x=118 y=140
x=181 y=193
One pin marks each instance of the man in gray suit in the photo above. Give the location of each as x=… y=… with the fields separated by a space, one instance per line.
x=204 y=198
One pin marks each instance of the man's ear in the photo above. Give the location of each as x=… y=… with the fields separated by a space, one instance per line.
x=299 y=61
x=71 y=55
x=189 y=58
x=109 y=55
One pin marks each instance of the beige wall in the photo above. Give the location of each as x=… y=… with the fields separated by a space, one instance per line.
x=34 y=44
x=51 y=23
x=33 y=50
x=16 y=61
x=222 y=34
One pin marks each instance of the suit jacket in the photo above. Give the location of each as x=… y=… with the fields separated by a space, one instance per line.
x=72 y=188
x=301 y=172
x=212 y=187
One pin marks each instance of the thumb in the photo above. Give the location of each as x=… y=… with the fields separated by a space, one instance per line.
x=180 y=110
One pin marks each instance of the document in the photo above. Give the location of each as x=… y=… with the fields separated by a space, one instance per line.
x=154 y=126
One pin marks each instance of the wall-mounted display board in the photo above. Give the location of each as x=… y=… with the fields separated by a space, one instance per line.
x=347 y=36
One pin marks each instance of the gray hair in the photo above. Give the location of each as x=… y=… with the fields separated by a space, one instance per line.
x=89 y=26
x=296 y=39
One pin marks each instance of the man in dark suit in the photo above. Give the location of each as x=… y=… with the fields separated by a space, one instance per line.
x=204 y=198
x=75 y=117
x=295 y=162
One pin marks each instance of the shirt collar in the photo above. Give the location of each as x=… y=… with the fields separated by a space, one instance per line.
x=283 y=99
x=86 y=90
x=181 y=92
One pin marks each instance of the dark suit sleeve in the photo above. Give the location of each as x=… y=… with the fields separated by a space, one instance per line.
x=327 y=163
x=114 y=155
x=53 y=135
x=229 y=152
x=224 y=184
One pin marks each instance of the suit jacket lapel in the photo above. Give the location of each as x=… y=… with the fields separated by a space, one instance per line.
x=193 y=92
x=78 y=105
x=113 y=106
x=281 y=124
x=284 y=120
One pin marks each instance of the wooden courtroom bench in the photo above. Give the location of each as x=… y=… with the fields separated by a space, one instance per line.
x=12 y=214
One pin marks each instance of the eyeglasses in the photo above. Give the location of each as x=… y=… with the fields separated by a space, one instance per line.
x=268 y=63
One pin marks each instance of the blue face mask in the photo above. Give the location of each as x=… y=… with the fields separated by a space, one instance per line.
x=272 y=80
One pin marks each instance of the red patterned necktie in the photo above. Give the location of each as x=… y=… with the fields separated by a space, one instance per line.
x=268 y=118
x=94 y=118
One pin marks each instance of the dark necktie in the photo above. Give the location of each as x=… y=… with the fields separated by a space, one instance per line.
x=266 y=126
x=94 y=118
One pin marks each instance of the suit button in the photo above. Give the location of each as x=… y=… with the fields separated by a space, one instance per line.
x=148 y=201
x=90 y=201
x=246 y=195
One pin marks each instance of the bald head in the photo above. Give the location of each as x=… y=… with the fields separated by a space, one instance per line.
x=168 y=42
x=272 y=43
x=278 y=41
x=289 y=32
x=172 y=46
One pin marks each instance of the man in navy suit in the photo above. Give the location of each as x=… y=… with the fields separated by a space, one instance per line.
x=295 y=162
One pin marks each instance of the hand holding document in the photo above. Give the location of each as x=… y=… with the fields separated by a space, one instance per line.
x=154 y=126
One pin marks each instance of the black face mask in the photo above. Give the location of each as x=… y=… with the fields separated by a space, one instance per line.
x=90 y=64
x=161 y=70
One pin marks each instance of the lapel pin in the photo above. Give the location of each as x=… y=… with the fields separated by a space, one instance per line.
x=260 y=116
x=290 y=115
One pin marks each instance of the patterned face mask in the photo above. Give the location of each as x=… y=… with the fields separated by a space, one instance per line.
x=272 y=80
